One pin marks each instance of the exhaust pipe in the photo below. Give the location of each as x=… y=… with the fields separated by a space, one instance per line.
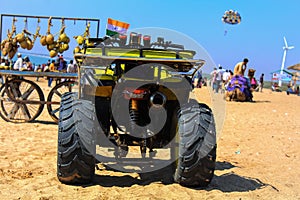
x=158 y=100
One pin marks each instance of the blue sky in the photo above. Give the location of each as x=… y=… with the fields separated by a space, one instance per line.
x=259 y=36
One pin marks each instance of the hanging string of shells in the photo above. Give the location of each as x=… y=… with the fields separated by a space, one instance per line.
x=83 y=38
x=9 y=45
x=25 y=40
x=55 y=46
x=55 y=43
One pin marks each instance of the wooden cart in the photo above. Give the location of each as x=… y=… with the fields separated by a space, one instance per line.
x=22 y=100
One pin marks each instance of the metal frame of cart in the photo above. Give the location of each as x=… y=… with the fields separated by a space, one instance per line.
x=22 y=100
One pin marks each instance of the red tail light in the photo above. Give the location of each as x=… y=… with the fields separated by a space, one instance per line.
x=130 y=93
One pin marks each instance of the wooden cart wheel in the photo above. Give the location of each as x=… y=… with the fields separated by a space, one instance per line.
x=21 y=100
x=54 y=98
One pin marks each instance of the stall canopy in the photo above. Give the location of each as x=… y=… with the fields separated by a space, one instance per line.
x=285 y=77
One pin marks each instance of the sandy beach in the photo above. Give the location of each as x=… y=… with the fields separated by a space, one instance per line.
x=257 y=158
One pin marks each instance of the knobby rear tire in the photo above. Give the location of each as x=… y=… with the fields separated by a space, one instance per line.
x=197 y=148
x=76 y=140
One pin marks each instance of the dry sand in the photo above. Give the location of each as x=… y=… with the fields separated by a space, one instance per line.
x=257 y=158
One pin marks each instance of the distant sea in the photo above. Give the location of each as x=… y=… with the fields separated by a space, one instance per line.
x=39 y=59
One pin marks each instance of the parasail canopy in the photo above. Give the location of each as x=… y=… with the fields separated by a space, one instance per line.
x=231 y=17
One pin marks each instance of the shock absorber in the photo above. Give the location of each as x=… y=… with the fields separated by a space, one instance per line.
x=138 y=111
x=139 y=118
x=134 y=112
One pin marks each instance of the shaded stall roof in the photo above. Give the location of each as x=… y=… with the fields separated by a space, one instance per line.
x=285 y=71
x=295 y=67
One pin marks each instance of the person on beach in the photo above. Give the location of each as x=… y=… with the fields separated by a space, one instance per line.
x=261 y=82
x=197 y=79
x=71 y=68
x=226 y=76
x=51 y=69
x=275 y=87
x=62 y=66
x=19 y=63
x=219 y=79
x=291 y=91
x=27 y=64
x=2 y=64
x=213 y=76
x=37 y=68
x=2 y=61
x=229 y=78
x=240 y=68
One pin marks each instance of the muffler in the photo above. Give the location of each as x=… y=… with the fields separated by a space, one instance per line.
x=158 y=100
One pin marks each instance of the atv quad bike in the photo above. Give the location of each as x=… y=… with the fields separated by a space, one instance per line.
x=136 y=98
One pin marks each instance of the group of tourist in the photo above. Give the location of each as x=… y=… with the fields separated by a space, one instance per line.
x=24 y=64
x=220 y=78
x=58 y=65
x=293 y=89
x=4 y=62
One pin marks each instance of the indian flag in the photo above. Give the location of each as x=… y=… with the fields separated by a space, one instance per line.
x=116 y=27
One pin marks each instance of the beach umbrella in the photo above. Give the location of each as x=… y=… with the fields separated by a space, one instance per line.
x=295 y=67
x=231 y=17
